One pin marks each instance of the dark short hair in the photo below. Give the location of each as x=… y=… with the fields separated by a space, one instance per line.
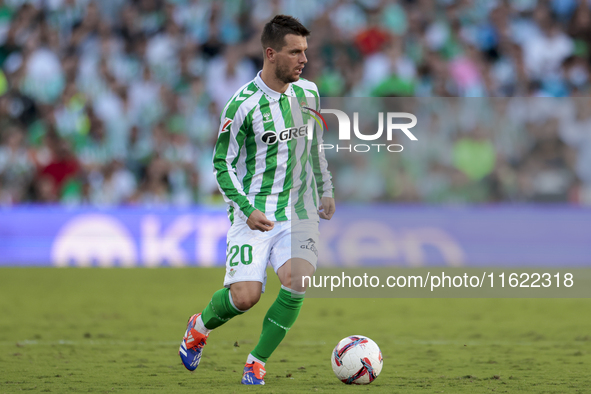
x=277 y=28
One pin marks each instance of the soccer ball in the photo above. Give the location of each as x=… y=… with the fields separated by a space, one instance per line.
x=357 y=360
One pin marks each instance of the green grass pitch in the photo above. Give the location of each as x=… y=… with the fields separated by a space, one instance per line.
x=118 y=330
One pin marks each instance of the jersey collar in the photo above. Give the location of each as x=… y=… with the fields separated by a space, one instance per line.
x=267 y=90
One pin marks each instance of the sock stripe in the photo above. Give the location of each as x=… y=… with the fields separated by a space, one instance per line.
x=293 y=291
x=277 y=324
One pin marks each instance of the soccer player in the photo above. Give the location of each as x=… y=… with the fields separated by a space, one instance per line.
x=276 y=182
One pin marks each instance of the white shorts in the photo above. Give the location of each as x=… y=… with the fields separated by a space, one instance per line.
x=249 y=251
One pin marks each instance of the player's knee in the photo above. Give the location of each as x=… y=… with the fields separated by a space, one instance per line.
x=245 y=294
x=298 y=277
x=300 y=283
x=245 y=299
x=285 y=277
x=245 y=302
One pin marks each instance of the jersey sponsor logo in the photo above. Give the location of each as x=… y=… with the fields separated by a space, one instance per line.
x=226 y=125
x=270 y=137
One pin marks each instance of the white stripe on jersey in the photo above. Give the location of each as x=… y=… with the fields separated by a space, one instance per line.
x=282 y=157
x=261 y=154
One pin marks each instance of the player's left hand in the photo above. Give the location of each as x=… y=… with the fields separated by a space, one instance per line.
x=326 y=208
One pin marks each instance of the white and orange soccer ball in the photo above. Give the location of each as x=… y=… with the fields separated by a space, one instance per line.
x=357 y=360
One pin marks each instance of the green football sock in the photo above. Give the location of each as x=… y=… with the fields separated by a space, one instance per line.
x=219 y=310
x=279 y=319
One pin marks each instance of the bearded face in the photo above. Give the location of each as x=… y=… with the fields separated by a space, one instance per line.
x=285 y=73
x=290 y=60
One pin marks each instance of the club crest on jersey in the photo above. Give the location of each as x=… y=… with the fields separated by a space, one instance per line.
x=226 y=125
x=270 y=137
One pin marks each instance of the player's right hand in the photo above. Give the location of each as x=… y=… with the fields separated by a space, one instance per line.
x=258 y=221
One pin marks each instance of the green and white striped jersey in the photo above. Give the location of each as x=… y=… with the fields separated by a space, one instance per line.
x=267 y=154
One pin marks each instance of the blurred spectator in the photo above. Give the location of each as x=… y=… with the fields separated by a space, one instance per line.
x=62 y=168
x=118 y=101
x=16 y=167
x=115 y=185
x=227 y=73
x=474 y=156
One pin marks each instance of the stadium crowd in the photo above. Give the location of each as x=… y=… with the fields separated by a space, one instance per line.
x=118 y=101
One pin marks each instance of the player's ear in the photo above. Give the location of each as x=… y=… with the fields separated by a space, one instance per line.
x=270 y=54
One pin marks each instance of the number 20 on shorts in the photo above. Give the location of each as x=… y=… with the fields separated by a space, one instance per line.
x=245 y=252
